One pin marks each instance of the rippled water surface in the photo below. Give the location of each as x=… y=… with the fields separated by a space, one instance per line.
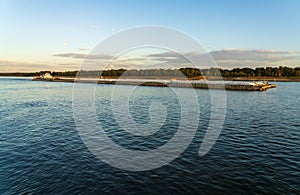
x=41 y=151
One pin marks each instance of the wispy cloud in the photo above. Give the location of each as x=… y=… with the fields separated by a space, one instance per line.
x=15 y=66
x=176 y=60
x=83 y=49
x=252 y=55
x=225 y=58
x=254 y=58
x=229 y=58
x=163 y=55
x=83 y=56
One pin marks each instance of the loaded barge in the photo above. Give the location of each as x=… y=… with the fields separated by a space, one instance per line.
x=197 y=84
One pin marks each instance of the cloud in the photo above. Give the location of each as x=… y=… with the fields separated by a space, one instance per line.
x=225 y=58
x=29 y=66
x=176 y=60
x=228 y=58
x=254 y=58
x=252 y=55
x=84 y=56
x=83 y=49
x=69 y=64
x=16 y=66
x=163 y=55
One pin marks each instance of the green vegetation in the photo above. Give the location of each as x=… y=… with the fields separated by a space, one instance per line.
x=19 y=74
x=189 y=72
x=280 y=72
x=262 y=72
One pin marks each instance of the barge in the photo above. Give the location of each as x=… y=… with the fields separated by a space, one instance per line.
x=197 y=84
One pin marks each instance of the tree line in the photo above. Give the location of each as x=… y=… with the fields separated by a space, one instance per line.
x=189 y=72
x=281 y=71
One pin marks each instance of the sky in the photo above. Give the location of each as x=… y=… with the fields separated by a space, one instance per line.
x=57 y=35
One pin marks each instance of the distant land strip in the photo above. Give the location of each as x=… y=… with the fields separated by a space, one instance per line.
x=281 y=73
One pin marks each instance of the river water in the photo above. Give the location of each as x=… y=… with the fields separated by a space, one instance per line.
x=41 y=151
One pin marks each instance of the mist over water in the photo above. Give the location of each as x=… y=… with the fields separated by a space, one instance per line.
x=41 y=151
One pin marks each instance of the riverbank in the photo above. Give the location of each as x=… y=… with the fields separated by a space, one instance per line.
x=270 y=79
x=211 y=78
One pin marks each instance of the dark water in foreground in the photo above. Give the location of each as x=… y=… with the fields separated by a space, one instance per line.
x=41 y=151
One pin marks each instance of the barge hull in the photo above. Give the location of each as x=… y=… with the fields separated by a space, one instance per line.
x=166 y=83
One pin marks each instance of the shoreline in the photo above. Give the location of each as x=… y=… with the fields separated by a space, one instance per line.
x=270 y=79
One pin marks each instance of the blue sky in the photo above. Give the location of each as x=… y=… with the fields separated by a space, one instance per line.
x=34 y=32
